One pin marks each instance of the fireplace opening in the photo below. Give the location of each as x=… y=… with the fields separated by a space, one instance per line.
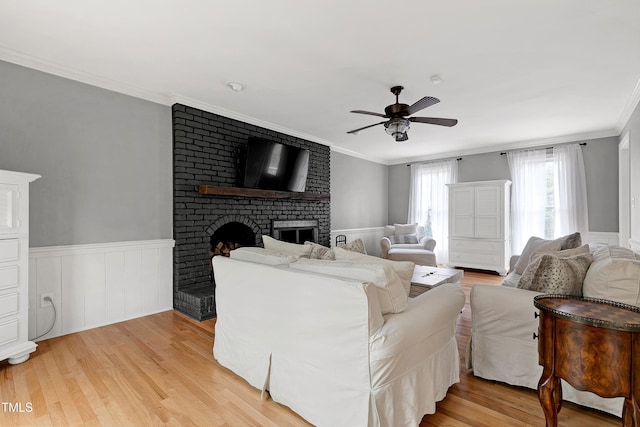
x=230 y=236
x=295 y=231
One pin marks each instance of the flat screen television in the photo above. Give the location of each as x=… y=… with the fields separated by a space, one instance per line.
x=274 y=166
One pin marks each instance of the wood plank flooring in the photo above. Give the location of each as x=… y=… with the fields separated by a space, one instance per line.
x=159 y=370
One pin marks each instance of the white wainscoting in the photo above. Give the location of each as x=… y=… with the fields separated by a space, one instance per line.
x=370 y=236
x=610 y=238
x=98 y=284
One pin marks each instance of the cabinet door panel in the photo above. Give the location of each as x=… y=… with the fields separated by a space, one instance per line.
x=462 y=205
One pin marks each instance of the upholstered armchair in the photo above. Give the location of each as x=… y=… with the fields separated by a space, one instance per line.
x=407 y=242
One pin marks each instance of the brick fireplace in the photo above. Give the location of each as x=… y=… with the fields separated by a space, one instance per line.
x=208 y=149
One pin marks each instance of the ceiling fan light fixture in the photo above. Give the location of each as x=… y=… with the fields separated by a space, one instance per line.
x=396 y=127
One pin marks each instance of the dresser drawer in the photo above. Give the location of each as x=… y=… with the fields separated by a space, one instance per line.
x=9 y=250
x=8 y=304
x=8 y=332
x=471 y=245
x=9 y=277
x=475 y=259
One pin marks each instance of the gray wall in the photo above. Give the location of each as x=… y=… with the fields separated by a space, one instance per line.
x=359 y=197
x=601 y=164
x=104 y=157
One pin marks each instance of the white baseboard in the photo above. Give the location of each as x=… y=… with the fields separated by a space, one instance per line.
x=370 y=236
x=98 y=284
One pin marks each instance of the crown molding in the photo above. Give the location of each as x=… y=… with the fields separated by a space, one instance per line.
x=533 y=143
x=60 y=70
x=358 y=155
x=633 y=102
x=179 y=99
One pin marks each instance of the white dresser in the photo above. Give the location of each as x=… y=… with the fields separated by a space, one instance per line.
x=479 y=226
x=14 y=266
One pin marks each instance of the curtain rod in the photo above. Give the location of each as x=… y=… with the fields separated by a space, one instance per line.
x=409 y=164
x=546 y=148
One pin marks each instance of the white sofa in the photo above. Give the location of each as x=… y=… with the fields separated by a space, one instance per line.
x=419 y=251
x=320 y=344
x=503 y=347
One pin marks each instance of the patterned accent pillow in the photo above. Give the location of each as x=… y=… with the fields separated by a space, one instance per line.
x=554 y=275
x=403 y=238
x=320 y=252
x=355 y=246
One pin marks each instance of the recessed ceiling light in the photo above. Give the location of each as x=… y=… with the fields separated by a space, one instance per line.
x=436 y=79
x=235 y=86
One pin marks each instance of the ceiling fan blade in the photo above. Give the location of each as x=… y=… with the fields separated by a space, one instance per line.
x=402 y=137
x=425 y=102
x=434 y=121
x=369 y=113
x=366 y=127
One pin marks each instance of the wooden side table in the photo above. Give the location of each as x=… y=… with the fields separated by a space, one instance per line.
x=592 y=344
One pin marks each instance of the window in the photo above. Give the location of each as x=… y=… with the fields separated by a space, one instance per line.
x=429 y=201
x=548 y=195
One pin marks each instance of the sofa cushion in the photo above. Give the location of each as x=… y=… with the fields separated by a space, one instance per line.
x=537 y=244
x=262 y=256
x=404 y=269
x=553 y=274
x=320 y=252
x=391 y=294
x=403 y=239
x=286 y=247
x=614 y=275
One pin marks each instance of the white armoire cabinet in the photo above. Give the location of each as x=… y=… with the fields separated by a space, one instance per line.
x=14 y=266
x=479 y=226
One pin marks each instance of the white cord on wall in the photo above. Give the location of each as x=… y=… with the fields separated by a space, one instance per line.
x=55 y=314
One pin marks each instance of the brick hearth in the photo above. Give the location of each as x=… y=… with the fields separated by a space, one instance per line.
x=209 y=149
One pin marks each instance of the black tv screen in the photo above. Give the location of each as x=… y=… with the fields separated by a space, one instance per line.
x=274 y=166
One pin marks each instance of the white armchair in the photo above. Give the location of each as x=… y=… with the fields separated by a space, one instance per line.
x=407 y=242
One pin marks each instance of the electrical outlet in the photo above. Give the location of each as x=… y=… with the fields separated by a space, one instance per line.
x=43 y=303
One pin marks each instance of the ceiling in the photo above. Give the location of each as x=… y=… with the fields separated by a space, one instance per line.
x=514 y=73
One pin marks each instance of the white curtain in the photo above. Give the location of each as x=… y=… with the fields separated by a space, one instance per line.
x=570 y=198
x=429 y=201
x=532 y=183
x=528 y=192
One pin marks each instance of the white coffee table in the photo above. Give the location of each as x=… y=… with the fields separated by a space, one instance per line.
x=425 y=278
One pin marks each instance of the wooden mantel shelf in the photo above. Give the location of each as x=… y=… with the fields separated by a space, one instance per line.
x=214 y=190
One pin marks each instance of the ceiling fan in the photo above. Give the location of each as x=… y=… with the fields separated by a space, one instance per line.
x=398 y=123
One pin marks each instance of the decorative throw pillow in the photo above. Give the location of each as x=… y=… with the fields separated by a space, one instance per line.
x=262 y=256
x=403 y=238
x=553 y=275
x=537 y=244
x=405 y=228
x=404 y=269
x=613 y=275
x=285 y=247
x=584 y=249
x=355 y=246
x=571 y=241
x=320 y=252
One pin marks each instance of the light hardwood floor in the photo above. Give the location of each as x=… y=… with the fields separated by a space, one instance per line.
x=159 y=370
